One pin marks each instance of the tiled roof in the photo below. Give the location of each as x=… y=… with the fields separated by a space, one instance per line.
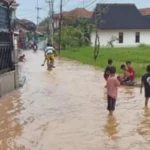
x=121 y=16
x=42 y=29
x=145 y=11
x=78 y=12
x=25 y=25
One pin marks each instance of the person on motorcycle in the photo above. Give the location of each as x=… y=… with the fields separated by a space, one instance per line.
x=35 y=46
x=49 y=53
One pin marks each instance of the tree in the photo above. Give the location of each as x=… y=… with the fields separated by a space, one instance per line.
x=98 y=18
x=85 y=24
x=30 y=35
x=44 y=22
x=111 y=41
x=75 y=32
x=72 y=37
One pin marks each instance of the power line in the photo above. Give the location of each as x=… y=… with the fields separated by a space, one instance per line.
x=66 y=2
x=27 y=13
x=91 y=3
x=25 y=10
x=44 y=6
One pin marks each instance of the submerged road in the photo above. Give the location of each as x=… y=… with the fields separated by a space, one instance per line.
x=66 y=110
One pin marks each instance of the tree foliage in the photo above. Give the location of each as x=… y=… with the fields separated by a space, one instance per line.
x=75 y=33
x=44 y=22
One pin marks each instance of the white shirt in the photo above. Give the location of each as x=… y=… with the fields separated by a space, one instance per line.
x=49 y=50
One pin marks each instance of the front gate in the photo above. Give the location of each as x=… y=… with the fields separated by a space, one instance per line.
x=6 y=40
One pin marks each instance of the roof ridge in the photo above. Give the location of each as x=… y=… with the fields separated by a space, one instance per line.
x=144 y=8
x=115 y=3
x=122 y=16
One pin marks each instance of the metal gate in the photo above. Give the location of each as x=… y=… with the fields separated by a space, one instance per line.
x=6 y=40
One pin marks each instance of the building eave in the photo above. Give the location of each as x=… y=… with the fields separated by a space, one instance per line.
x=14 y=5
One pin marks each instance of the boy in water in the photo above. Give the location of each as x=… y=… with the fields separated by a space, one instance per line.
x=49 y=54
x=107 y=69
x=145 y=81
x=112 y=90
x=130 y=70
x=127 y=76
x=22 y=58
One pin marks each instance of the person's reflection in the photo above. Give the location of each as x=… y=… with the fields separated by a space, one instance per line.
x=144 y=128
x=111 y=127
x=130 y=91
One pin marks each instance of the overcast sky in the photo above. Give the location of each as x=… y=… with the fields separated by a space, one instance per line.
x=27 y=7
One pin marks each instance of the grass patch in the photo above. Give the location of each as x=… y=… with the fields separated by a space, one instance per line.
x=138 y=56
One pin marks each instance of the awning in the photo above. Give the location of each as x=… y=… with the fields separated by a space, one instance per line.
x=16 y=32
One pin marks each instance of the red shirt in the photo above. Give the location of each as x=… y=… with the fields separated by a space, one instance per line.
x=132 y=72
x=112 y=87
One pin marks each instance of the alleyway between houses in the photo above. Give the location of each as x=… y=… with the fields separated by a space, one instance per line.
x=66 y=110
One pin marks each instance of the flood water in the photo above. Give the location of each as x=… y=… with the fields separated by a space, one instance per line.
x=66 y=110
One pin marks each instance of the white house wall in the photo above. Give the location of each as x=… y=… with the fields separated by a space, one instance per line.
x=128 y=37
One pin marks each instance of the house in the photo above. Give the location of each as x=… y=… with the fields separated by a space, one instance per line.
x=123 y=22
x=25 y=27
x=42 y=29
x=29 y=25
x=75 y=13
x=145 y=12
x=78 y=12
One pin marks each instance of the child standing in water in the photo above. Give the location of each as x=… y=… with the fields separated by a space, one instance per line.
x=107 y=69
x=145 y=81
x=112 y=90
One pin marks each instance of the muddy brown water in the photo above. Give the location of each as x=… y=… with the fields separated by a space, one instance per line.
x=66 y=110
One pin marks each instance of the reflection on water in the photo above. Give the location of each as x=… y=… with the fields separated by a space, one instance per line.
x=10 y=126
x=66 y=110
x=111 y=127
x=144 y=128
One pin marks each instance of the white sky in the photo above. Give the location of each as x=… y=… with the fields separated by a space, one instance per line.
x=27 y=7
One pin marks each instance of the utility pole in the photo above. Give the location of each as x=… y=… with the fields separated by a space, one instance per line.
x=38 y=10
x=60 y=24
x=53 y=16
x=50 y=20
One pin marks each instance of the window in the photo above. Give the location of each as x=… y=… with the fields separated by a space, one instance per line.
x=137 y=37
x=120 y=37
x=4 y=23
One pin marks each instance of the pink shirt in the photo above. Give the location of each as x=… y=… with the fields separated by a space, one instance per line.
x=112 y=87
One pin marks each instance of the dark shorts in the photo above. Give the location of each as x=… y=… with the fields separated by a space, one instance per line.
x=122 y=81
x=111 y=103
x=147 y=93
x=127 y=80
